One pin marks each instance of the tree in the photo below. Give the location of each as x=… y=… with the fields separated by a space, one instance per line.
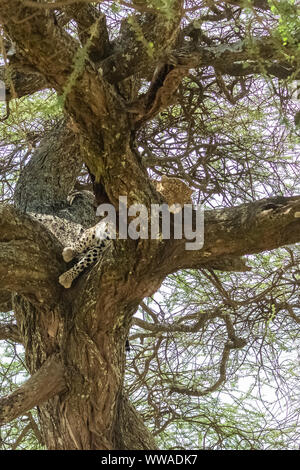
x=198 y=90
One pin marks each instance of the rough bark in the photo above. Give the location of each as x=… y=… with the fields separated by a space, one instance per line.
x=82 y=332
x=56 y=174
x=19 y=81
x=10 y=331
x=29 y=257
x=5 y=301
x=48 y=381
x=246 y=229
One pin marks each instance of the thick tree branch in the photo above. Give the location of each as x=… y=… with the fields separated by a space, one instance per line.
x=229 y=234
x=10 y=331
x=239 y=58
x=56 y=55
x=250 y=228
x=47 y=382
x=52 y=51
x=5 y=301
x=39 y=40
x=137 y=32
x=87 y=18
x=48 y=178
x=21 y=82
x=102 y=118
x=30 y=257
x=262 y=4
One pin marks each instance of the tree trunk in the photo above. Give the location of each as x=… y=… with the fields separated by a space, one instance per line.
x=91 y=413
x=88 y=330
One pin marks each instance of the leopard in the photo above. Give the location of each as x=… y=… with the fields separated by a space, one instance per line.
x=97 y=240
x=88 y=248
x=174 y=191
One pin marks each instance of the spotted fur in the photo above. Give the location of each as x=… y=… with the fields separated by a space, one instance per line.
x=89 y=248
x=176 y=192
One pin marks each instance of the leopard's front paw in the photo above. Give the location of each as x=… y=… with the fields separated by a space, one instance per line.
x=68 y=254
x=65 y=280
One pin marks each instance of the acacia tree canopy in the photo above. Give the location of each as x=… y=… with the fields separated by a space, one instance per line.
x=108 y=97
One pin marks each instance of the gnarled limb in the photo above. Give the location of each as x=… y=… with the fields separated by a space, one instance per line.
x=230 y=233
x=47 y=382
x=30 y=257
x=241 y=58
x=10 y=331
x=39 y=40
x=136 y=34
x=20 y=82
x=5 y=301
